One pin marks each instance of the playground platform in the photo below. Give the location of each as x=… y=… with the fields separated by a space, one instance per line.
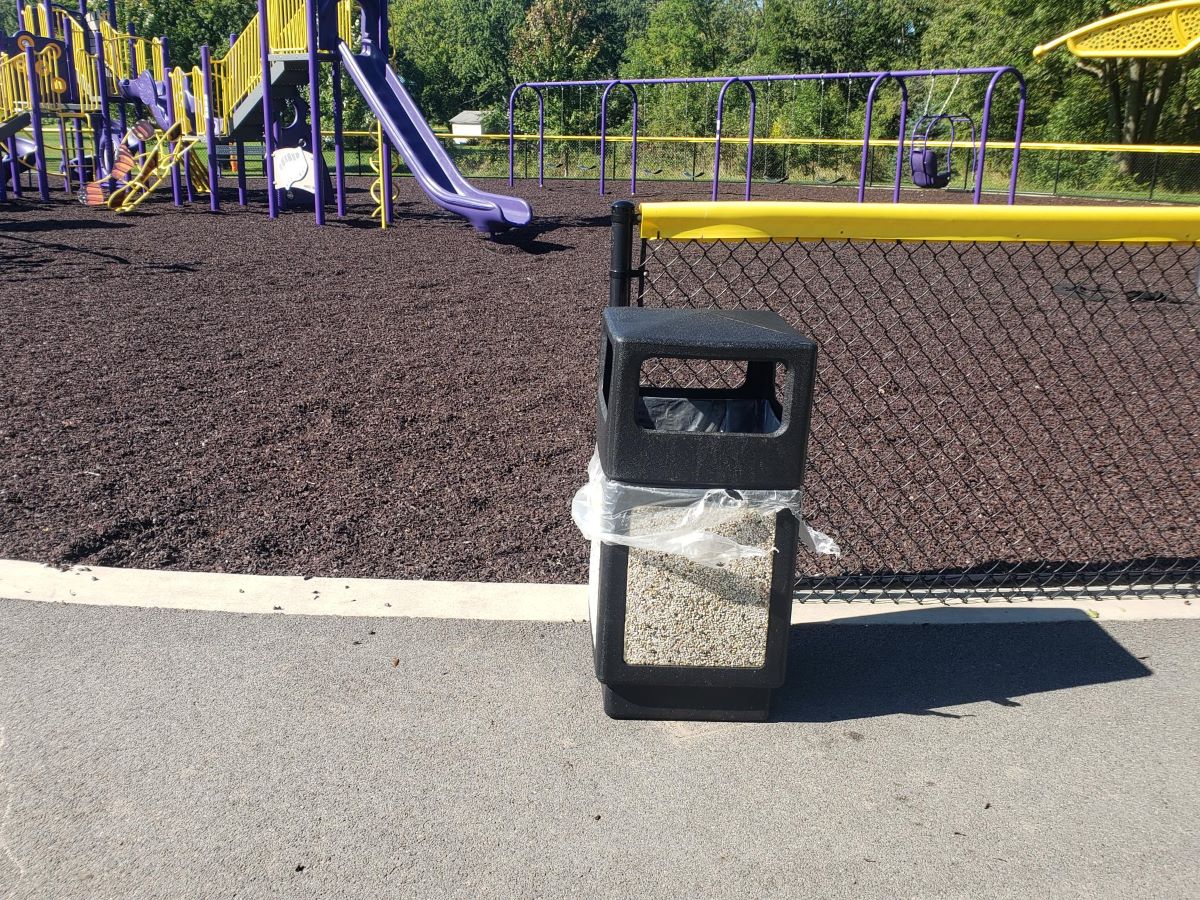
x=155 y=752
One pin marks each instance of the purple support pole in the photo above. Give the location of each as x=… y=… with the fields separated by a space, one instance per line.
x=176 y=184
x=132 y=48
x=717 y=138
x=122 y=116
x=866 y=151
x=133 y=72
x=542 y=140
x=210 y=131
x=385 y=150
x=983 y=134
x=104 y=136
x=512 y=139
x=241 y=153
x=385 y=174
x=633 y=145
x=604 y=129
x=66 y=156
x=339 y=141
x=900 y=139
x=77 y=93
x=35 y=123
x=268 y=118
x=80 y=152
x=314 y=112
x=48 y=6
x=14 y=167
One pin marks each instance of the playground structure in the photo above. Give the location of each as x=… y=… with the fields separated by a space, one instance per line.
x=923 y=163
x=62 y=65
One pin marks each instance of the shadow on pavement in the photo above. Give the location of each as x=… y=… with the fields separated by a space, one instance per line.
x=880 y=666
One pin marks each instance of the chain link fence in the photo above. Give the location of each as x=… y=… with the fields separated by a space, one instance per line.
x=1048 y=170
x=1008 y=417
x=1168 y=176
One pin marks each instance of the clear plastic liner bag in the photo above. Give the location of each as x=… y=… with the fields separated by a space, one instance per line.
x=682 y=521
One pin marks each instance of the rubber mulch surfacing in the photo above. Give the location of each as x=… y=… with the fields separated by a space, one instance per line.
x=226 y=392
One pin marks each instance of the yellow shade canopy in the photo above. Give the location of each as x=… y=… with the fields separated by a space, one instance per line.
x=1161 y=30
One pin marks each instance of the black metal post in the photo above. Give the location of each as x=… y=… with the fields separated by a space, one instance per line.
x=620 y=274
x=1154 y=176
x=1057 y=172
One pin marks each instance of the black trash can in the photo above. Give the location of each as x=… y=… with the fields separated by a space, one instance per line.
x=700 y=486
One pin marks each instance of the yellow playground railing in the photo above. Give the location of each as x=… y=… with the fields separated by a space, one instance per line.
x=14 y=86
x=127 y=55
x=87 y=76
x=238 y=72
x=178 y=81
x=56 y=26
x=287 y=26
x=51 y=87
x=62 y=26
x=345 y=25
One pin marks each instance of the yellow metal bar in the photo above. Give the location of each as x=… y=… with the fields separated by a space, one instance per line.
x=287 y=26
x=1161 y=30
x=840 y=142
x=345 y=26
x=766 y=220
x=14 y=86
x=238 y=72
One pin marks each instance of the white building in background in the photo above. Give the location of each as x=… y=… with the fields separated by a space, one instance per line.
x=468 y=124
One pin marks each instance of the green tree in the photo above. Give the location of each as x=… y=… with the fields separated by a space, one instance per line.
x=841 y=35
x=455 y=53
x=556 y=42
x=695 y=37
x=1127 y=101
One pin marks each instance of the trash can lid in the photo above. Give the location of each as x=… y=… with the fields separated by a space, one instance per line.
x=703 y=331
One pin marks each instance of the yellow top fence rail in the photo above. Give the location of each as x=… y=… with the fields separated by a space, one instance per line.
x=771 y=221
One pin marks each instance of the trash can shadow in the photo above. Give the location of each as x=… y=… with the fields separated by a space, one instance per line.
x=884 y=664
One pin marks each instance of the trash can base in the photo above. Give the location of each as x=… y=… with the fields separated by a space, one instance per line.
x=704 y=704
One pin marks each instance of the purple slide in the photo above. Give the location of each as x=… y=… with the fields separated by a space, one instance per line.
x=404 y=125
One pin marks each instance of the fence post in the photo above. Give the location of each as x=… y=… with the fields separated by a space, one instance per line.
x=1057 y=171
x=620 y=275
x=1154 y=176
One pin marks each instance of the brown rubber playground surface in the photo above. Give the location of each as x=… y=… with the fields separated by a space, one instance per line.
x=189 y=391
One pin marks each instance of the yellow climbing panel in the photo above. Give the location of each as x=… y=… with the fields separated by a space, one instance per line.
x=1161 y=30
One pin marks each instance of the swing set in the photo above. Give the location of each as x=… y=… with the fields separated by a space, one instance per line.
x=922 y=161
x=929 y=169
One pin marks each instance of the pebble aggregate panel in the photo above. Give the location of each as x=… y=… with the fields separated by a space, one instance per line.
x=184 y=390
x=680 y=613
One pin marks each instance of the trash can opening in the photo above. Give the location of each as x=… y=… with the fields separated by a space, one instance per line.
x=727 y=415
x=710 y=395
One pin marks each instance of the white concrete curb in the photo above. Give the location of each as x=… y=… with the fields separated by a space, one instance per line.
x=293 y=595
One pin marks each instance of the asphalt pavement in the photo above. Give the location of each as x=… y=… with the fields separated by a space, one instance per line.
x=151 y=753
